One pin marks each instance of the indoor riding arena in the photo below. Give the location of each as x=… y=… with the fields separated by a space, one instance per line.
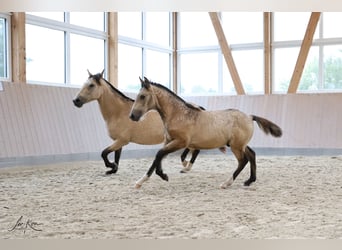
x=68 y=82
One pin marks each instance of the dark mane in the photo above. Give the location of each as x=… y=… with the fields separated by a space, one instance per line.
x=98 y=77
x=189 y=105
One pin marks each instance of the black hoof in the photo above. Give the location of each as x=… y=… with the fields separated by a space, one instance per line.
x=164 y=177
x=249 y=182
x=113 y=171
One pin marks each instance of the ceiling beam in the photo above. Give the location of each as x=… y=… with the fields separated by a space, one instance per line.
x=304 y=51
x=226 y=51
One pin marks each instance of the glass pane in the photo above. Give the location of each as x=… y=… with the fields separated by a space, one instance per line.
x=44 y=56
x=310 y=77
x=92 y=20
x=130 y=24
x=158 y=67
x=57 y=16
x=83 y=58
x=129 y=68
x=249 y=64
x=284 y=62
x=158 y=28
x=199 y=74
x=228 y=85
x=330 y=19
x=243 y=27
x=196 y=29
x=333 y=67
x=3 y=50
x=291 y=25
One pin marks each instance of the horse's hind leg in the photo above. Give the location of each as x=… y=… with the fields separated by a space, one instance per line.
x=183 y=157
x=188 y=167
x=242 y=161
x=250 y=154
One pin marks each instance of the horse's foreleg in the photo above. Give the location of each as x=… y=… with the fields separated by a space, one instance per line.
x=156 y=165
x=242 y=161
x=250 y=154
x=188 y=167
x=117 y=147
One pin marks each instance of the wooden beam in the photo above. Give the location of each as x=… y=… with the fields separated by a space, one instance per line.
x=113 y=74
x=267 y=53
x=215 y=19
x=174 y=53
x=304 y=51
x=18 y=47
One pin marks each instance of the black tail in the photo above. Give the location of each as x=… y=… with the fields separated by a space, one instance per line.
x=267 y=126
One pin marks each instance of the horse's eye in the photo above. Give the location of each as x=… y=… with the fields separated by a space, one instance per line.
x=92 y=85
x=142 y=97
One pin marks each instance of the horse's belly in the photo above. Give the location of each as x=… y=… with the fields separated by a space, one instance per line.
x=208 y=142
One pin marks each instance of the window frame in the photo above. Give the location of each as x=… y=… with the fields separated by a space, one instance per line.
x=245 y=46
x=319 y=42
x=68 y=29
x=8 y=48
x=146 y=45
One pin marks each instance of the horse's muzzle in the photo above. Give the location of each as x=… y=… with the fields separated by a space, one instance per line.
x=77 y=102
x=134 y=116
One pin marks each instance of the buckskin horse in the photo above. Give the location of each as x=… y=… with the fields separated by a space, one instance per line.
x=115 y=107
x=191 y=127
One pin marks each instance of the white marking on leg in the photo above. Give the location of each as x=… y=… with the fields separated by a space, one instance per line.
x=185 y=163
x=187 y=168
x=227 y=183
x=139 y=183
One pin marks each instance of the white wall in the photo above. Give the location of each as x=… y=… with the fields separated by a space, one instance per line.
x=42 y=121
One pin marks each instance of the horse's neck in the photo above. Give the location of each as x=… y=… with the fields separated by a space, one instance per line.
x=111 y=105
x=168 y=106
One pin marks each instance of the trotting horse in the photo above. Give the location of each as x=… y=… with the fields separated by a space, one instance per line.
x=115 y=108
x=188 y=126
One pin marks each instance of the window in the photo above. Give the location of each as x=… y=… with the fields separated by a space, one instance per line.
x=4 y=69
x=144 y=48
x=203 y=69
x=61 y=46
x=199 y=73
x=323 y=68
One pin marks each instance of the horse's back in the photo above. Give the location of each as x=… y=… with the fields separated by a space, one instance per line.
x=219 y=127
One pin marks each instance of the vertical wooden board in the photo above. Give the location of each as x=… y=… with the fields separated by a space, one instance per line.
x=16 y=121
x=26 y=124
x=4 y=124
x=47 y=116
x=76 y=125
x=59 y=131
x=18 y=40
x=267 y=53
x=38 y=118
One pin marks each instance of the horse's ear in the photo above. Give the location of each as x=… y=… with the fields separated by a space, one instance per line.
x=90 y=74
x=102 y=73
x=147 y=83
x=141 y=81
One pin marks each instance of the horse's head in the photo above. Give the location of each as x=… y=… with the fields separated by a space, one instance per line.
x=91 y=90
x=144 y=102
